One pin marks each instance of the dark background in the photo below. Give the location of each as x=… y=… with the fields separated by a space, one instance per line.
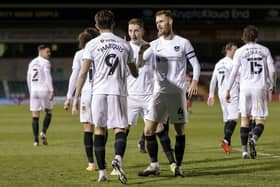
x=24 y=25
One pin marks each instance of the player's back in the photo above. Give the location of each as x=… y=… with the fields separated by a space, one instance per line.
x=255 y=60
x=38 y=70
x=77 y=64
x=222 y=70
x=110 y=55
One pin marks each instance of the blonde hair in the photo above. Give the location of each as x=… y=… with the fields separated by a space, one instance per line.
x=136 y=21
x=167 y=13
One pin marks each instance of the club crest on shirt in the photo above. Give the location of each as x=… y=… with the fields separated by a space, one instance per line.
x=176 y=48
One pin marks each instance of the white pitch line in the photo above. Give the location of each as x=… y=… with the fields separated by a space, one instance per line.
x=262 y=154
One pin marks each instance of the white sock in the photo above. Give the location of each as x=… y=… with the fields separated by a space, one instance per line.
x=225 y=141
x=102 y=172
x=90 y=164
x=119 y=158
x=155 y=164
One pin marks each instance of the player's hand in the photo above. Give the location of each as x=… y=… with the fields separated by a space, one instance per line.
x=75 y=106
x=228 y=96
x=193 y=89
x=144 y=47
x=210 y=101
x=51 y=96
x=141 y=62
x=66 y=104
x=269 y=95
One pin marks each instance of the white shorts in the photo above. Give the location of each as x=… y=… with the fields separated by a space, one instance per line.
x=137 y=104
x=253 y=102
x=85 y=107
x=40 y=100
x=109 y=111
x=163 y=106
x=230 y=110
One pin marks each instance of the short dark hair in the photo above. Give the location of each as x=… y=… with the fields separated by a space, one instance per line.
x=136 y=21
x=43 y=46
x=91 y=30
x=85 y=36
x=250 y=33
x=105 y=19
x=228 y=47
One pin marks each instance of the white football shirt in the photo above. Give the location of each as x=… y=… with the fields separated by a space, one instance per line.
x=110 y=55
x=256 y=67
x=76 y=67
x=171 y=63
x=221 y=75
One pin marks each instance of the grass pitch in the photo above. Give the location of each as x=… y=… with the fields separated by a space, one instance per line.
x=63 y=161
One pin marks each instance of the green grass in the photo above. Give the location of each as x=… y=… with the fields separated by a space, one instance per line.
x=63 y=161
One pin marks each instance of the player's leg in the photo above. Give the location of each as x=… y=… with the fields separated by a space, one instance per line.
x=47 y=105
x=157 y=112
x=132 y=111
x=166 y=126
x=152 y=148
x=99 y=110
x=244 y=134
x=99 y=150
x=46 y=124
x=179 y=147
x=252 y=124
x=141 y=144
x=35 y=127
x=256 y=134
x=135 y=105
x=47 y=120
x=165 y=142
x=162 y=133
x=228 y=132
x=259 y=113
x=178 y=116
x=88 y=144
x=232 y=116
x=117 y=119
x=258 y=129
x=245 y=105
x=225 y=143
x=35 y=107
x=86 y=120
x=120 y=147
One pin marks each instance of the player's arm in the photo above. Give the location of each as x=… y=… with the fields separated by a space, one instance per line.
x=49 y=82
x=141 y=60
x=196 y=73
x=80 y=83
x=133 y=69
x=72 y=83
x=28 y=79
x=272 y=76
x=212 y=88
x=131 y=64
x=271 y=71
